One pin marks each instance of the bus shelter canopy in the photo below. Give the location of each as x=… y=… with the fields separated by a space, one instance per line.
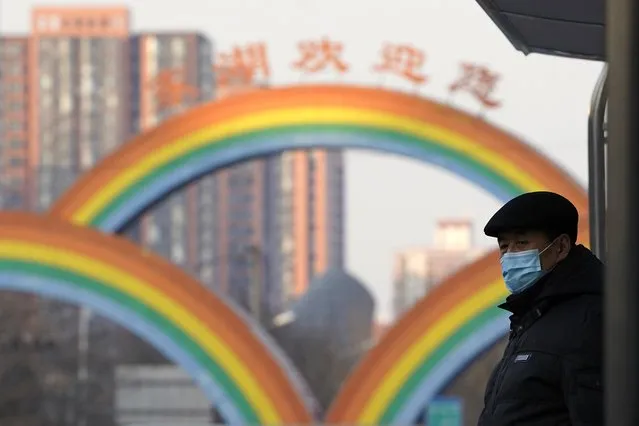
x=570 y=28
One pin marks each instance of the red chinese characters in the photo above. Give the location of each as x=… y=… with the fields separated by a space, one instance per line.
x=402 y=60
x=316 y=56
x=170 y=90
x=242 y=65
x=479 y=81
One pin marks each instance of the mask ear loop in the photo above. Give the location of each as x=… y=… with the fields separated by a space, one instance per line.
x=549 y=245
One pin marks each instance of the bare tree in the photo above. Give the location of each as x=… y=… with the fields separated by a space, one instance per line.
x=22 y=387
x=39 y=359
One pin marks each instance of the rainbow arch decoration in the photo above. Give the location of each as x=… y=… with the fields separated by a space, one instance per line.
x=263 y=122
x=427 y=348
x=197 y=330
x=259 y=123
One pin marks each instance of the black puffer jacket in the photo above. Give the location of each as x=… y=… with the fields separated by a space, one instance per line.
x=551 y=372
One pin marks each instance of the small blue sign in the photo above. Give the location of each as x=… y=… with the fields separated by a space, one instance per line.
x=445 y=411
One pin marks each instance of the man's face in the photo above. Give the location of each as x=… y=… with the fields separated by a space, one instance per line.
x=516 y=241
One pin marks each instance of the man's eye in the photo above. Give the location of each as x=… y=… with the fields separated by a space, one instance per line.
x=522 y=242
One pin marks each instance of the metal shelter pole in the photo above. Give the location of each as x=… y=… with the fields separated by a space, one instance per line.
x=597 y=166
x=622 y=268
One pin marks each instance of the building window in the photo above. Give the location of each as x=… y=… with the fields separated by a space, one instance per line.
x=42 y=22
x=206 y=274
x=55 y=23
x=45 y=81
x=178 y=254
x=206 y=253
x=177 y=47
x=65 y=104
x=206 y=238
x=177 y=211
x=154 y=233
x=47 y=157
x=118 y=23
x=45 y=199
x=206 y=198
x=11 y=49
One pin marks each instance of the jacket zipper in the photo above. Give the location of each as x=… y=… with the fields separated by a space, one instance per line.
x=510 y=350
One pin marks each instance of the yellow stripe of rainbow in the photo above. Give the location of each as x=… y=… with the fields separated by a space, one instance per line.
x=421 y=349
x=301 y=116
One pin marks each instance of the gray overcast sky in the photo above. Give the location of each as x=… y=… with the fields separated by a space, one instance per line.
x=392 y=202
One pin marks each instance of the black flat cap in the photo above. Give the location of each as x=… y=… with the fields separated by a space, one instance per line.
x=535 y=211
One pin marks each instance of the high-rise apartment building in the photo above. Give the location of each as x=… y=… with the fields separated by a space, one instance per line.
x=279 y=223
x=82 y=84
x=312 y=216
x=90 y=86
x=94 y=86
x=281 y=219
x=14 y=124
x=78 y=112
x=171 y=72
x=86 y=86
x=419 y=270
x=79 y=109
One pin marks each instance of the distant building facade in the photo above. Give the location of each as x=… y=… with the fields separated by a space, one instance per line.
x=15 y=54
x=78 y=86
x=417 y=271
x=78 y=97
x=280 y=221
x=158 y=395
x=170 y=73
x=81 y=83
x=74 y=89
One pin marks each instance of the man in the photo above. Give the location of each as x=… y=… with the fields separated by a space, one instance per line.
x=551 y=371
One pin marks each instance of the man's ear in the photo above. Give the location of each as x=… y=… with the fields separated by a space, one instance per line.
x=563 y=246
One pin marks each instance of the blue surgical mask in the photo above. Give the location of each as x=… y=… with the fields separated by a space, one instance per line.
x=522 y=269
